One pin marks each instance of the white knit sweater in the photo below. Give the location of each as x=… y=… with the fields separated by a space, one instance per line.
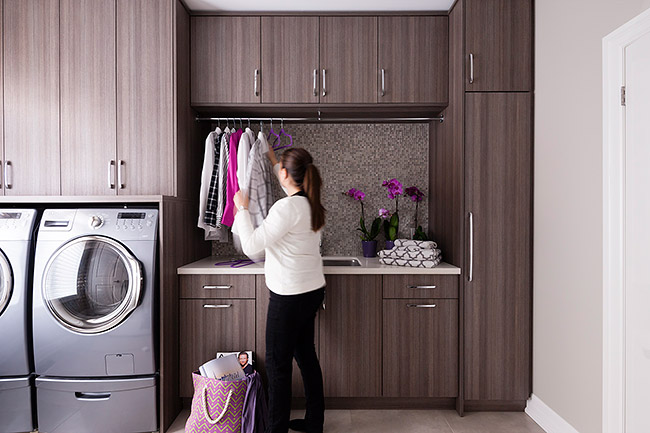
x=293 y=261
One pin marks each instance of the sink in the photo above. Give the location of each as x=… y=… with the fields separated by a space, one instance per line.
x=341 y=262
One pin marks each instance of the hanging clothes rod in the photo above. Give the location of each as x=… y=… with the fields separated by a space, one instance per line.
x=322 y=120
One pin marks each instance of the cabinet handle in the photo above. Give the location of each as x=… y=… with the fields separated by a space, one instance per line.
x=217 y=305
x=8 y=183
x=421 y=305
x=324 y=88
x=257 y=73
x=421 y=287
x=315 y=82
x=471 y=68
x=383 y=82
x=471 y=247
x=111 y=182
x=217 y=287
x=120 y=163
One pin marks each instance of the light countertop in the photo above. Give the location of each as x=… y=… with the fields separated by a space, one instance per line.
x=368 y=266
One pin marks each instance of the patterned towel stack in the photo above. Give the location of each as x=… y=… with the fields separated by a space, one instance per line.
x=416 y=254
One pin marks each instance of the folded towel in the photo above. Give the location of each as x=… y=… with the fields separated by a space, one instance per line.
x=411 y=263
x=412 y=243
x=410 y=253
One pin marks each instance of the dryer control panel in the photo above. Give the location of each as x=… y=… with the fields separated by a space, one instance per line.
x=16 y=224
x=123 y=224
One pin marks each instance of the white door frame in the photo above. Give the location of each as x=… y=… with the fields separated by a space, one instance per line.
x=613 y=221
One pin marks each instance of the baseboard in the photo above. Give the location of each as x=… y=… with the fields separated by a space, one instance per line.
x=547 y=418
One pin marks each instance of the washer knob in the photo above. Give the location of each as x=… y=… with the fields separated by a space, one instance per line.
x=96 y=221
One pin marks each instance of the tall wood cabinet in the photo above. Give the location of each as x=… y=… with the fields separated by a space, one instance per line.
x=498 y=45
x=2 y=132
x=32 y=154
x=498 y=297
x=88 y=104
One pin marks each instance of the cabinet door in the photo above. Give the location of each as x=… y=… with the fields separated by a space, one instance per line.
x=145 y=98
x=498 y=36
x=420 y=348
x=290 y=59
x=413 y=59
x=350 y=336
x=498 y=161
x=225 y=58
x=348 y=59
x=261 y=307
x=208 y=326
x=88 y=103
x=31 y=97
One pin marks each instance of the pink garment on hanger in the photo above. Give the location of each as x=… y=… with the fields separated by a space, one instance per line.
x=232 y=186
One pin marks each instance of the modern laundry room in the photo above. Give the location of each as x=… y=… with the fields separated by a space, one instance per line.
x=324 y=217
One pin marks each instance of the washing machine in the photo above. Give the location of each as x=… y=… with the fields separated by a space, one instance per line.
x=16 y=229
x=95 y=320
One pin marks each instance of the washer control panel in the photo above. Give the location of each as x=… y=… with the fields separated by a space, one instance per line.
x=16 y=224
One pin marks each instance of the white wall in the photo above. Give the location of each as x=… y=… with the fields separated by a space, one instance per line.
x=567 y=340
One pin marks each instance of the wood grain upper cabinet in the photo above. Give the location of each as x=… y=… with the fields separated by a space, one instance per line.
x=145 y=98
x=413 y=59
x=225 y=60
x=31 y=163
x=348 y=59
x=88 y=102
x=420 y=356
x=498 y=44
x=498 y=161
x=290 y=59
x=350 y=336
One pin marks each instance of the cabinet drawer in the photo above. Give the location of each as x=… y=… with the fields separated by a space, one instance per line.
x=218 y=286
x=420 y=286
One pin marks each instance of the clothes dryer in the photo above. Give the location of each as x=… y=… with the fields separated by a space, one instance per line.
x=16 y=229
x=95 y=320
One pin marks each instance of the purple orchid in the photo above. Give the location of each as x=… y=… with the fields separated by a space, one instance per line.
x=384 y=213
x=356 y=194
x=415 y=194
x=394 y=188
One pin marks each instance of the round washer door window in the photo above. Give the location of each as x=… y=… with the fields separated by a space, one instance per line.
x=91 y=284
x=6 y=282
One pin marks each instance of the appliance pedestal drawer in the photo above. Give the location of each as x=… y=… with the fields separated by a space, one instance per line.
x=86 y=405
x=16 y=404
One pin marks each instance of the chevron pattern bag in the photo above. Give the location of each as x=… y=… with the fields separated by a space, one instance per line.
x=217 y=406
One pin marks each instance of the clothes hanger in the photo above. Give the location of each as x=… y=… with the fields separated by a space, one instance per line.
x=284 y=133
x=273 y=134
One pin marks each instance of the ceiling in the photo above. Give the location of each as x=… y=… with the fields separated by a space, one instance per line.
x=317 y=6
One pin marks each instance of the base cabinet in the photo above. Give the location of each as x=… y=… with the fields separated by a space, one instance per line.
x=211 y=325
x=420 y=356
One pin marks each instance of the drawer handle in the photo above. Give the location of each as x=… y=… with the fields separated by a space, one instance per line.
x=421 y=305
x=217 y=306
x=92 y=396
x=217 y=287
x=421 y=287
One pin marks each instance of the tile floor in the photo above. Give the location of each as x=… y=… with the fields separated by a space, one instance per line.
x=412 y=421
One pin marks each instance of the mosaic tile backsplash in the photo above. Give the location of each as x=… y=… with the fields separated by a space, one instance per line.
x=360 y=156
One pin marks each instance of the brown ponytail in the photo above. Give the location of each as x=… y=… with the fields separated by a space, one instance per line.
x=299 y=163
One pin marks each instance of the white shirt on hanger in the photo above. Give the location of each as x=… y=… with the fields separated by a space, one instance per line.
x=206 y=178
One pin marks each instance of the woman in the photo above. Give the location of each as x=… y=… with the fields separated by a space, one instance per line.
x=290 y=236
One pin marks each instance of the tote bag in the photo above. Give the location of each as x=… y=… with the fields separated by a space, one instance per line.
x=217 y=406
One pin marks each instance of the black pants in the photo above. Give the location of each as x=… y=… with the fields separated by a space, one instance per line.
x=289 y=334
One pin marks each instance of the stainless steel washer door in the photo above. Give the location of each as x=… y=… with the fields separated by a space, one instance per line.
x=91 y=284
x=6 y=282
